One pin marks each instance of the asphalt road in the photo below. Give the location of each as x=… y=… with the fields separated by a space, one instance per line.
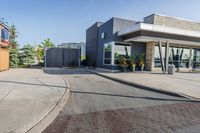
x=100 y=105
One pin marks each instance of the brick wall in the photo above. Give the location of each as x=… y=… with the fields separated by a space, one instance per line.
x=172 y=22
x=150 y=49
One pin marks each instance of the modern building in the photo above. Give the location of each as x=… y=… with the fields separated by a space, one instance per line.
x=164 y=40
x=80 y=45
x=4 y=42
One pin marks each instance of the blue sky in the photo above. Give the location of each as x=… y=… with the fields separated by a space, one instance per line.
x=67 y=20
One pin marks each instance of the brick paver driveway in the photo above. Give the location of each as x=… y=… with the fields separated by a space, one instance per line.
x=101 y=105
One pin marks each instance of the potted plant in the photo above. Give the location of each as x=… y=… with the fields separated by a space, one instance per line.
x=122 y=64
x=132 y=63
x=141 y=61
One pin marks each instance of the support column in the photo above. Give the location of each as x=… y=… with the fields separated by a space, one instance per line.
x=161 y=56
x=166 y=56
x=150 y=50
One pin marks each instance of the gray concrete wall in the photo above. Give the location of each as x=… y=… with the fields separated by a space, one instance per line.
x=172 y=22
x=92 y=43
x=62 y=57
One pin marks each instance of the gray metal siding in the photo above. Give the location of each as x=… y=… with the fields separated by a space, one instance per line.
x=62 y=57
x=106 y=28
x=138 y=48
x=92 y=43
x=54 y=57
x=71 y=57
x=110 y=28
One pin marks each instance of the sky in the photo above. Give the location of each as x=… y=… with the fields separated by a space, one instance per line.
x=67 y=20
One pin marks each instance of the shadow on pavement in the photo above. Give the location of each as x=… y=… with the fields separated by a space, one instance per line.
x=60 y=71
x=24 y=83
x=136 y=97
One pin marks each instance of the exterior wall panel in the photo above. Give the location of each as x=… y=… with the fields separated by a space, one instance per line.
x=172 y=22
x=62 y=57
x=92 y=44
x=110 y=28
x=4 y=59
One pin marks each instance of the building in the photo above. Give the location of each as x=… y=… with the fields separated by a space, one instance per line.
x=4 y=42
x=164 y=40
x=75 y=45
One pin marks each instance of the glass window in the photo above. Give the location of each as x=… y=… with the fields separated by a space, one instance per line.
x=157 y=59
x=177 y=56
x=196 y=58
x=121 y=50
x=107 y=53
x=184 y=57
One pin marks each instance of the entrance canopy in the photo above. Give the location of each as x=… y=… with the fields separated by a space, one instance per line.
x=143 y=32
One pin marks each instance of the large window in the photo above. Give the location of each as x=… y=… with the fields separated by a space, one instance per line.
x=107 y=53
x=196 y=58
x=157 y=56
x=121 y=50
x=177 y=56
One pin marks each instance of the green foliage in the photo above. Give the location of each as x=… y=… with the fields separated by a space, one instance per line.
x=123 y=63
x=47 y=43
x=40 y=51
x=132 y=61
x=83 y=58
x=13 y=48
x=141 y=59
x=27 y=55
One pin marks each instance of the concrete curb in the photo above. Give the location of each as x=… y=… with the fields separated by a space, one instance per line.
x=140 y=86
x=48 y=119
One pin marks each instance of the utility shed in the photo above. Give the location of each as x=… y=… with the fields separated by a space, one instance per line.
x=63 y=57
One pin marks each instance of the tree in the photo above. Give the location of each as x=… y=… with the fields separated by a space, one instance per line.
x=27 y=55
x=40 y=50
x=47 y=43
x=13 y=47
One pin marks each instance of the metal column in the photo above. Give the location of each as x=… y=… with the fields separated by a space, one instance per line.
x=166 y=56
x=161 y=56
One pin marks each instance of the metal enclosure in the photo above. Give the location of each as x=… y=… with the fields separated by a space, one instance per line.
x=62 y=57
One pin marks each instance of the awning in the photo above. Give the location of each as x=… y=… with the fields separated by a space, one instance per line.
x=143 y=32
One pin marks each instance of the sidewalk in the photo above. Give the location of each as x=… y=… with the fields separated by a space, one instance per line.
x=27 y=96
x=184 y=84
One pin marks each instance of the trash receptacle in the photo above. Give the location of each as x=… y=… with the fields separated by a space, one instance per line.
x=171 y=69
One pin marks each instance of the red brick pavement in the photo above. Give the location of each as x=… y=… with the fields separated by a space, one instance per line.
x=163 y=118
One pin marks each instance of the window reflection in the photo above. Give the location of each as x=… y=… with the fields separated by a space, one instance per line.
x=157 y=56
x=121 y=50
x=196 y=58
x=177 y=56
x=107 y=53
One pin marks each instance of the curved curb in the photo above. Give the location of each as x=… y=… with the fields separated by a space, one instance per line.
x=170 y=93
x=53 y=113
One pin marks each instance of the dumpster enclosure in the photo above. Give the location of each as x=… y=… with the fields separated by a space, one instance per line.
x=63 y=57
